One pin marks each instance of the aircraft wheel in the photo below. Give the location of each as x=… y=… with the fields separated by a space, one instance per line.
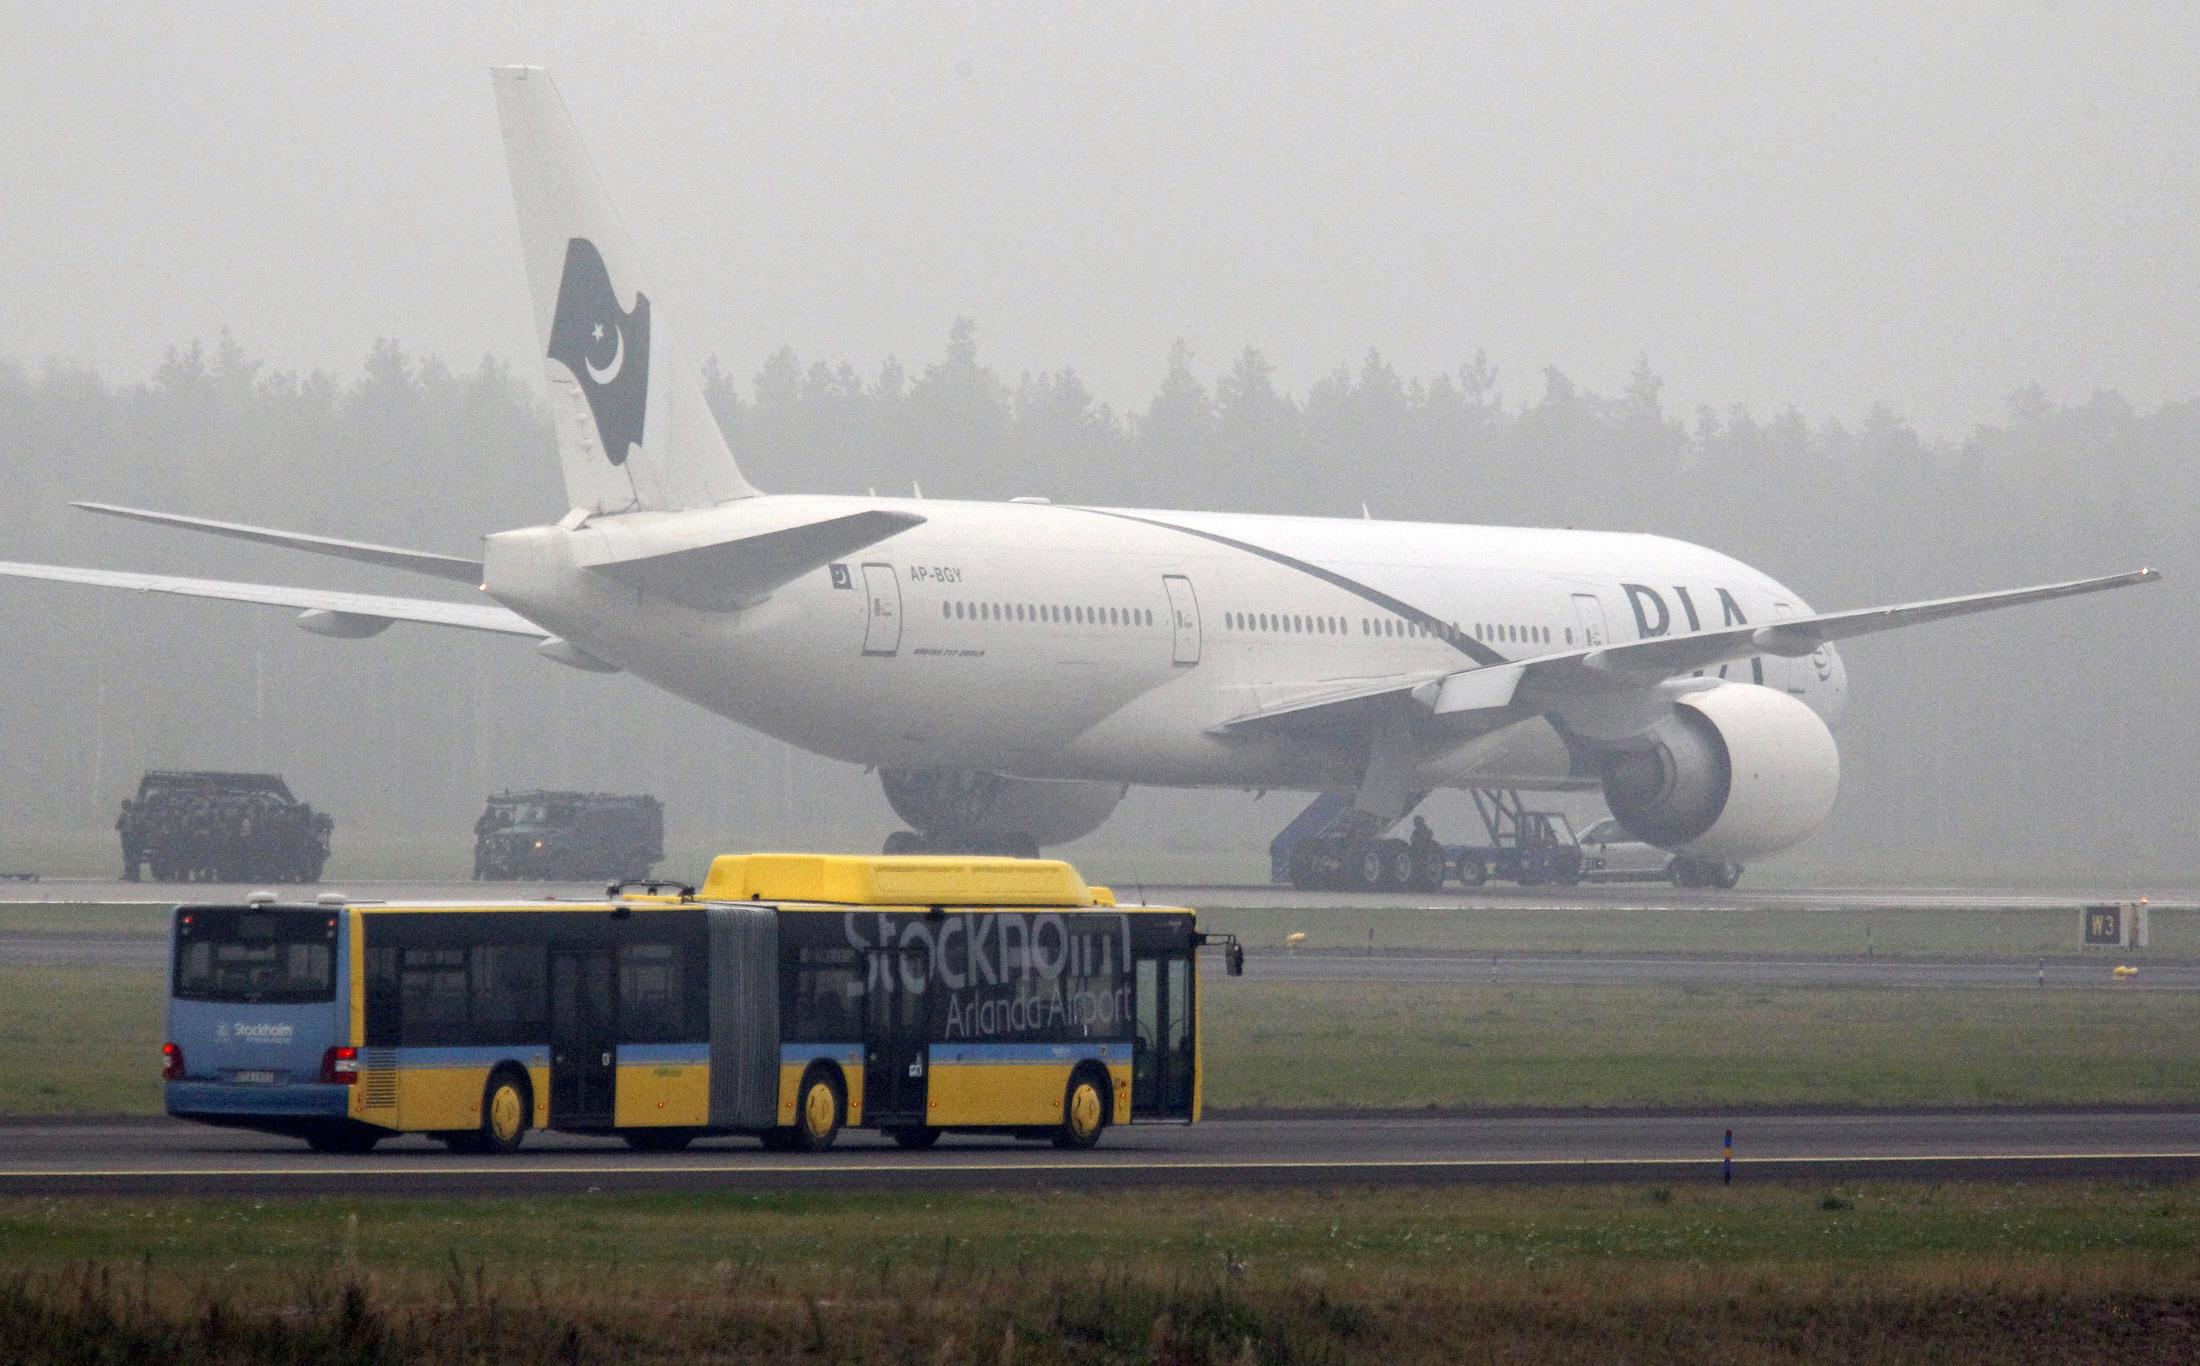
x=1397 y=865
x=1363 y=868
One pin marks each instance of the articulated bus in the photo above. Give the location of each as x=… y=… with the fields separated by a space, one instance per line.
x=793 y=996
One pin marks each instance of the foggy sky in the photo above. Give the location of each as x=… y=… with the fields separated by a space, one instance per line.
x=1825 y=206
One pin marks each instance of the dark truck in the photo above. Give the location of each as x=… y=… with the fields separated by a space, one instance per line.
x=185 y=826
x=568 y=837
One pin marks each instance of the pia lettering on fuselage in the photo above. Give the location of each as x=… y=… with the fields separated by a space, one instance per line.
x=1655 y=617
x=1002 y=975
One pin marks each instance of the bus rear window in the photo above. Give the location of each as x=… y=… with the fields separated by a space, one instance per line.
x=225 y=954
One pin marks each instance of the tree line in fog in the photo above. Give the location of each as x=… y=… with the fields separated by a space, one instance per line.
x=2048 y=740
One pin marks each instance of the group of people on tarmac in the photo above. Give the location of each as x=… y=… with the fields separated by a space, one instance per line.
x=223 y=837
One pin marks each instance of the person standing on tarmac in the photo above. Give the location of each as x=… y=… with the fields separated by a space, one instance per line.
x=1423 y=839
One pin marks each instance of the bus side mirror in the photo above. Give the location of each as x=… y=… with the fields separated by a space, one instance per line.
x=1233 y=959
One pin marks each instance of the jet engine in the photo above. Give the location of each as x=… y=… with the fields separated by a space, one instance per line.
x=1735 y=773
x=965 y=810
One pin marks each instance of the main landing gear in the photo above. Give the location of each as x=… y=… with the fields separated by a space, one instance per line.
x=1347 y=863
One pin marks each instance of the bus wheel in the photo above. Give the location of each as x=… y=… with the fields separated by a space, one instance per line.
x=657 y=1140
x=505 y=1103
x=1084 y=1112
x=819 y=1111
x=921 y=1137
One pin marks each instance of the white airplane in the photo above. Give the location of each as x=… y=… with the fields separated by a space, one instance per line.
x=1011 y=668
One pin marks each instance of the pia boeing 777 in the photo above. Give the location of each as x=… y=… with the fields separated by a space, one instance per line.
x=1012 y=668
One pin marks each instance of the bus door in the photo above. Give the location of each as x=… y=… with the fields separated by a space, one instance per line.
x=583 y=1038
x=895 y=1027
x=1161 y=1054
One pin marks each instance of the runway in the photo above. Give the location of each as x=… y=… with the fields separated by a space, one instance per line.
x=1379 y=1148
x=1596 y=896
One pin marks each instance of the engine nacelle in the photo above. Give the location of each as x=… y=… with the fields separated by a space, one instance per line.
x=1738 y=772
x=960 y=803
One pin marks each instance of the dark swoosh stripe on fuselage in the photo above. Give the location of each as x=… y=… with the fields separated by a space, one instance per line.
x=1438 y=628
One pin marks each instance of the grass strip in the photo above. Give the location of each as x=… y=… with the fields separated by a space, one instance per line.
x=87 y=1041
x=2004 y=1272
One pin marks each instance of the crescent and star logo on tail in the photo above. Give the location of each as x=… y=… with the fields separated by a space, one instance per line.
x=606 y=347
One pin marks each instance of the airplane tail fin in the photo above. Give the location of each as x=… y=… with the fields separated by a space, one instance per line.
x=633 y=429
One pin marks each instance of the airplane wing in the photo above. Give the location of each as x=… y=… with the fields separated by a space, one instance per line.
x=450 y=567
x=1323 y=696
x=354 y=614
x=1639 y=663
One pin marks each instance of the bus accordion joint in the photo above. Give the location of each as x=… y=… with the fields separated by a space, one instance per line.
x=1233 y=951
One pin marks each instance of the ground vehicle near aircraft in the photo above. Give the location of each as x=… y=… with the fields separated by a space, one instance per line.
x=1011 y=668
x=221 y=827
x=1610 y=854
x=568 y=836
x=793 y=996
x=1328 y=847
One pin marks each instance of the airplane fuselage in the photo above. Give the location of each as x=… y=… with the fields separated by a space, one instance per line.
x=1102 y=644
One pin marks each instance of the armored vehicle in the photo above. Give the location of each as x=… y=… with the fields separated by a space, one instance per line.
x=568 y=836
x=221 y=827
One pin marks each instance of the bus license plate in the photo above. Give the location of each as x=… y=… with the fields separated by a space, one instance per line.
x=254 y=1077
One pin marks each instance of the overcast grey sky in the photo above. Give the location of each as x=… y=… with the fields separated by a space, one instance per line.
x=1819 y=204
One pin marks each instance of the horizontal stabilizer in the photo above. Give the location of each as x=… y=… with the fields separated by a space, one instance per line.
x=350 y=614
x=731 y=575
x=450 y=567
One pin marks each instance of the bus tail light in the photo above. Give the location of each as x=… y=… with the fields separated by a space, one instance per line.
x=340 y=1065
x=171 y=1062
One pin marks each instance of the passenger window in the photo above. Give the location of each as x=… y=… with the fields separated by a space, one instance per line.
x=510 y=993
x=652 y=994
x=431 y=990
x=824 y=1004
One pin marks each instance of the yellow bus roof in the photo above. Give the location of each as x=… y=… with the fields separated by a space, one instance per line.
x=911 y=880
x=801 y=881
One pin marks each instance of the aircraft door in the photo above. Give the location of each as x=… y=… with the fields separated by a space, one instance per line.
x=1590 y=613
x=882 y=622
x=1183 y=617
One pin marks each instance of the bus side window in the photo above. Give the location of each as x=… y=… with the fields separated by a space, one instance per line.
x=431 y=992
x=511 y=993
x=824 y=999
x=382 y=1013
x=652 y=994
